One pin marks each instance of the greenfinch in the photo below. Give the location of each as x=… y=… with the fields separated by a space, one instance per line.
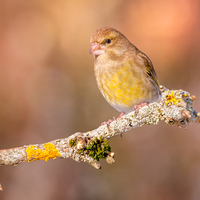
x=125 y=76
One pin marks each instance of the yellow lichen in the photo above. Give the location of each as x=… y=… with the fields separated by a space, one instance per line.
x=185 y=95
x=49 y=152
x=171 y=99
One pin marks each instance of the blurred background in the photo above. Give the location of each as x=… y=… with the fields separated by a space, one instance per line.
x=48 y=91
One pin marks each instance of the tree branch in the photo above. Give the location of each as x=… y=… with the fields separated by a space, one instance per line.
x=174 y=108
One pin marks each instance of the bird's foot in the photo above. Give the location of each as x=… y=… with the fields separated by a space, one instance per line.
x=108 y=123
x=136 y=108
x=111 y=120
x=121 y=114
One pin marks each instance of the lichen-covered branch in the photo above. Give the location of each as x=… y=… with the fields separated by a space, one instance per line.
x=174 y=108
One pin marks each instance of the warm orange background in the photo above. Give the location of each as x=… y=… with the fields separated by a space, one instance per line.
x=48 y=91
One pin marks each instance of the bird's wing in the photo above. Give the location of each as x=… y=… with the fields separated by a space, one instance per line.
x=149 y=67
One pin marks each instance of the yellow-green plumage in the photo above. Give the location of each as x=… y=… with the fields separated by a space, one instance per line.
x=124 y=75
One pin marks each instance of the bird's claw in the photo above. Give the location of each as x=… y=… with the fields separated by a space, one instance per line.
x=111 y=120
x=136 y=108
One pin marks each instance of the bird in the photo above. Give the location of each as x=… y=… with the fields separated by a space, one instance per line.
x=124 y=75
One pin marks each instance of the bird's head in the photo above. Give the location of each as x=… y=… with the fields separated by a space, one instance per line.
x=108 y=40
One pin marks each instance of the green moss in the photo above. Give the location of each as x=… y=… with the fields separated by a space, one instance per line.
x=72 y=142
x=81 y=151
x=98 y=148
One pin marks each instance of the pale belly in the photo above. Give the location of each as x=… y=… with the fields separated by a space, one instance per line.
x=124 y=89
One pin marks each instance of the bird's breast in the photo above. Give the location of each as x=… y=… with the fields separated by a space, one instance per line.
x=121 y=85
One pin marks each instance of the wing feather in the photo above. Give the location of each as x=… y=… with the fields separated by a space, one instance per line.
x=149 y=67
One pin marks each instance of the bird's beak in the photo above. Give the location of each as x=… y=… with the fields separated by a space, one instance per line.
x=96 y=49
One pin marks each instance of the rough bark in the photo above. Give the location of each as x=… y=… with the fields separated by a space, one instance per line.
x=174 y=108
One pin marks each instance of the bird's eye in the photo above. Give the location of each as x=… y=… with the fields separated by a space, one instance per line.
x=108 y=41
